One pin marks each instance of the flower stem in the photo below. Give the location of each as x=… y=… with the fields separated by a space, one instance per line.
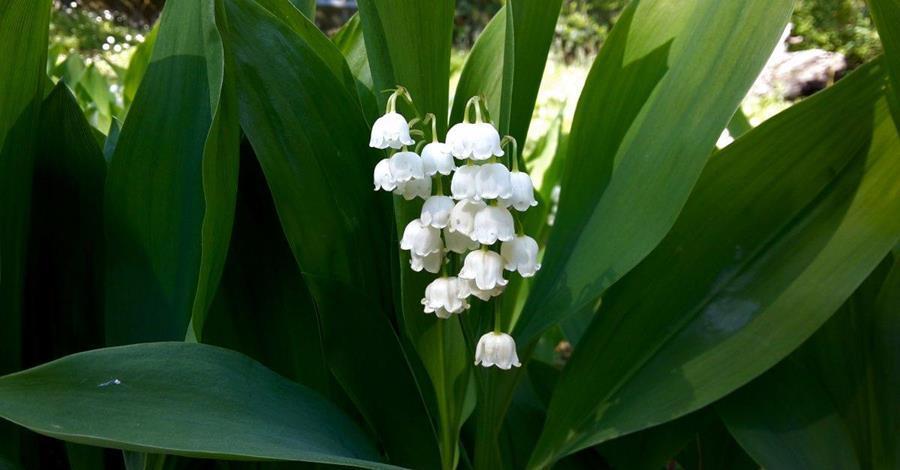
x=514 y=157
x=497 y=315
x=430 y=118
x=473 y=100
x=440 y=184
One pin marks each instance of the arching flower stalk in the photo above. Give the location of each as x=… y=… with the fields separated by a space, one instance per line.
x=477 y=220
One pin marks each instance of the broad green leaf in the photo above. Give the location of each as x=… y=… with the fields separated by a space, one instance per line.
x=184 y=399
x=137 y=66
x=665 y=84
x=831 y=404
x=23 y=58
x=307 y=7
x=263 y=307
x=305 y=124
x=653 y=448
x=782 y=227
x=886 y=14
x=349 y=39
x=714 y=447
x=482 y=74
x=170 y=187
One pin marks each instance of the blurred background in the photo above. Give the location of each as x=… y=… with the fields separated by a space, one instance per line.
x=101 y=48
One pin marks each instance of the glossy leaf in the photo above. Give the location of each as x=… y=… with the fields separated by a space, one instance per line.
x=665 y=84
x=833 y=402
x=215 y=404
x=784 y=224
x=23 y=52
x=137 y=66
x=170 y=188
x=349 y=39
x=305 y=124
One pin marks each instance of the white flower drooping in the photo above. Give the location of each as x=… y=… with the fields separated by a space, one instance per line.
x=419 y=187
x=406 y=166
x=478 y=141
x=446 y=296
x=521 y=192
x=520 y=255
x=497 y=349
x=390 y=130
x=462 y=185
x=436 y=158
x=431 y=263
x=382 y=177
x=493 y=181
x=421 y=239
x=493 y=223
x=485 y=294
x=458 y=242
x=462 y=217
x=485 y=268
x=436 y=211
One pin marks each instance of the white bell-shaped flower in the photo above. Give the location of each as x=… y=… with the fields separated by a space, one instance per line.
x=493 y=223
x=431 y=263
x=390 y=130
x=478 y=141
x=406 y=166
x=421 y=239
x=522 y=192
x=485 y=141
x=492 y=181
x=446 y=296
x=436 y=158
x=485 y=294
x=520 y=255
x=462 y=185
x=382 y=178
x=485 y=268
x=419 y=187
x=436 y=211
x=497 y=349
x=462 y=217
x=459 y=242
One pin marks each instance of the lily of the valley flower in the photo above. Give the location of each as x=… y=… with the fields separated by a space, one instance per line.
x=431 y=263
x=485 y=268
x=382 y=177
x=436 y=158
x=497 y=349
x=421 y=239
x=493 y=223
x=462 y=185
x=462 y=217
x=390 y=130
x=458 y=242
x=521 y=192
x=520 y=255
x=419 y=187
x=436 y=211
x=492 y=181
x=406 y=166
x=485 y=294
x=446 y=296
x=478 y=141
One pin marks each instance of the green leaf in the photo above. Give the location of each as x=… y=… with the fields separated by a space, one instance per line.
x=23 y=52
x=665 y=84
x=886 y=15
x=137 y=67
x=831 y=404
x=184 y=399
x=263 y=307
x=349 y=39
x=170 y=187
x=302 y=116
x=783 y=225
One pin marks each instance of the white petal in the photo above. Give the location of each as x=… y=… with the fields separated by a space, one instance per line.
x=436 y=211
x=520 y=254
x=493 y=223
x=485 y=268
x=410 y=190
x=485 y=141
x=522 y=192
x=390 y=130
x=493 y=181
x=431 y=263
x=459 y=139
x=436 y=158
x=497 y=349
x=462 y=217
x=459 y=242
x=462 y=185
x=421 y=239
x=382 y=176
x=406 y=166
x=485 y=294
x=445 y=296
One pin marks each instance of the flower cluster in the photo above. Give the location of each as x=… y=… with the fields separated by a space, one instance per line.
x=477 y=221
